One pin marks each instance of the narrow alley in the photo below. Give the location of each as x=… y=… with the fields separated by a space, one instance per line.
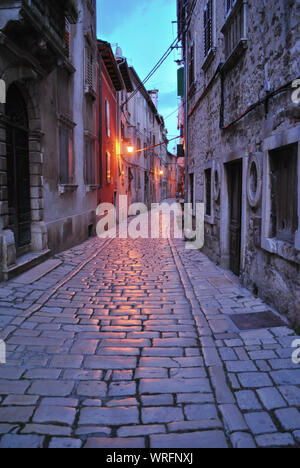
x=149 y=226
x=130 y=344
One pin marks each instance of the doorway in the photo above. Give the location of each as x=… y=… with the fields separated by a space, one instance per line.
x=235 y=186
x=192 y=191
x=18 y=176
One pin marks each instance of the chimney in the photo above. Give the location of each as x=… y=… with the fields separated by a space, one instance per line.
x=118 y=53
x=154 y=96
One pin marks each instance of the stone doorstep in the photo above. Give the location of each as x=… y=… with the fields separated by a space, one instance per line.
x=31 y=261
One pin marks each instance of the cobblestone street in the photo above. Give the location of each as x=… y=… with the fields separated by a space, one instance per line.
x=130 y=344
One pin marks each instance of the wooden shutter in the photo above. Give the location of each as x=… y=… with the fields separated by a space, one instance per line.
x=285 y=191
x=192 y=65
x=208 y=198
x=208 y=27
x=89 y=65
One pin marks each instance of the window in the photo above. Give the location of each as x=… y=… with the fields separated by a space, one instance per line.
x=284 y=193
x=122 y=131
x=208 y=197
x=235 y=28
x=89 y=68
x=152 y=161
x=139 y=180
x=108 y=168
x=192 y=65
x=66 y=154
x=280 y=225
x=90 y=172
x=107 y=118
x=208 y=27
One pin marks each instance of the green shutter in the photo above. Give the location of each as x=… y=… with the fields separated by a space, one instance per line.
x=180 y=82
x=180 y=151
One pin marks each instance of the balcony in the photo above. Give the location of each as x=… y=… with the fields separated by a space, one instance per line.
x=38 y=27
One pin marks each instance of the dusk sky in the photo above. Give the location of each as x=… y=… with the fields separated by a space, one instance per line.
x=144 y=31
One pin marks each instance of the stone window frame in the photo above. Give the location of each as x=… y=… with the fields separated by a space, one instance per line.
x=272 y=245
x=90 y=74
x=241 y=45
x=209 y=219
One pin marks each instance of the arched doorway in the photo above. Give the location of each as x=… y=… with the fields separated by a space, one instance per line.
x=18 y=178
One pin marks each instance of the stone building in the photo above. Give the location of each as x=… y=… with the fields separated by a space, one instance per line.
x=242 y=59
x=47 y=128
x=172 y=175
x=141 y=127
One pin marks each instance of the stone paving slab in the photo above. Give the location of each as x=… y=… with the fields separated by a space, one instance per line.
x=38 y=272
x=126 y=344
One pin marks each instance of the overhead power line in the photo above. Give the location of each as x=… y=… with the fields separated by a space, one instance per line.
x=165 y=55
x=159 y=144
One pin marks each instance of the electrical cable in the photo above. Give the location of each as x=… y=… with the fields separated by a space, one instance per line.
x=165 y=55
x=159 y=144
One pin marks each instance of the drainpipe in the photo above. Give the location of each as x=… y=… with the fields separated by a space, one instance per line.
x=186 y=120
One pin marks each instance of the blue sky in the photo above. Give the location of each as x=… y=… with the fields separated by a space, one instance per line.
x=144 y=31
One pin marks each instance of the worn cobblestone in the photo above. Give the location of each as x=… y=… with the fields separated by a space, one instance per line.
x=137 y=348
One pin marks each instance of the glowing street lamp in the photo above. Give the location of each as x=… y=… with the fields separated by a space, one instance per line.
x=161 y=172
x=130 y=149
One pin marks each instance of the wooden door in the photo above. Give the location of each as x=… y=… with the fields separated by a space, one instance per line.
x=235 y=175
x=18 y=179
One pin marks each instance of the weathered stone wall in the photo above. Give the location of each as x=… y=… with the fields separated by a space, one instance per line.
x=272 y=56
x=68 y=215
x=58 y=220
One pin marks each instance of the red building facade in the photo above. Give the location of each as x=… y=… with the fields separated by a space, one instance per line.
x=110 y=82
